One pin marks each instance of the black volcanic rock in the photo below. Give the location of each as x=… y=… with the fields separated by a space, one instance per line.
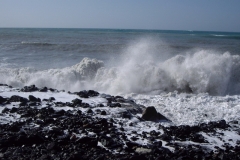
x=48 y=133
x=51 y=99
x=126 y=115
x=33 y=99
x=113 y=105
x=5 y=110
x=110 y=142
x=2 y=100
x=92 y=93
x=44 y=89
x=77 y=102
x=82 y=94
x=151 y=114
x=87 y=94
x=16 y=98
x=13 y=110
x=103 y=113
x=31 y=88
x=92 y=142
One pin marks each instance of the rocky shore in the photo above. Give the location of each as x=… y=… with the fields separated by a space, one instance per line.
x=112 y=128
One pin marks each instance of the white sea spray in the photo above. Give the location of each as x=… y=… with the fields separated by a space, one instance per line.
x=142 y=68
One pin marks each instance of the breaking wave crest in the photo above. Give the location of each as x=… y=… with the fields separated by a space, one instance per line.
x=140 y=71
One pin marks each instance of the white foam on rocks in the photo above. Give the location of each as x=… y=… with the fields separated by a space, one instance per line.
x=181 y=109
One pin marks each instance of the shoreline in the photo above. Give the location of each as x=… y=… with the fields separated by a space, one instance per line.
x=89 y=125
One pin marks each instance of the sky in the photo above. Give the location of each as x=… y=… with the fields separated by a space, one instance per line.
x=196 y=15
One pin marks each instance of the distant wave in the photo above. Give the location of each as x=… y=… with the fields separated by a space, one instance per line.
x=218 y=35
x=227 y=36
x=37 y=43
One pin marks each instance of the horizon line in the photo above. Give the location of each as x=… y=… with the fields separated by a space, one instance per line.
x=117 y=29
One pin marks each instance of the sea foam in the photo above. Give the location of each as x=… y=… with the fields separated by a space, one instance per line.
x=142 y=68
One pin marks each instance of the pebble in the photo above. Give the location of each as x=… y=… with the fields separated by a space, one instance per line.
x=80 y=135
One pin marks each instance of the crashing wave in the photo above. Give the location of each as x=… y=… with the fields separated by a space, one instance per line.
x=139 y=71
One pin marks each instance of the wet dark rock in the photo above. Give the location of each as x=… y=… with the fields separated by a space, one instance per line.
x=110 y=142
x=88 y=141
x=60 y=104
x=52 y=90
x=33 y=99
x=33 y=104
x=154 y=133
x=198 y=138
x=222 y=124
x=100 y=105
x=157 y=144
x=23 y=104
x=56 y=131
x=113 y=105
x=2 y=100
x=126 y=115
x=44 y=89
x=58 y=113
x=134 y=138
x=82 y=94
x=87 y=94
x=166 y=137
x=132 y=144
x=77 y=102
x=151 y=114
x=16 y=98
x=52 y=146
x=5 y=110
x=138 y=157
x=103 y=113
x=51 y=99
x=45 y=133
x=110 y=99
x=89 y=111
x=13 y=110
x=31 y=88
x=84 y=105
x=44 y=157
x=92 y=93
x=120 y=97
x=106 y=141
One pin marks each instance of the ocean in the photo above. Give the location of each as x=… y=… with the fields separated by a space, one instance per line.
x=176 y=71
x=190 y=77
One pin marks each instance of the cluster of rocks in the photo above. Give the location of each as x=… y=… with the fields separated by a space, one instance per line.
x=46 y=133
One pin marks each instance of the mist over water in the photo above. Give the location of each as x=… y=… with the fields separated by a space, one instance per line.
x=146 y=66
x=143 y=69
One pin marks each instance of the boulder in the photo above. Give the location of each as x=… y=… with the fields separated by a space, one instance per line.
x=92 y=142
x=103 y=113
x=151 y=114
x=33 y=99
x=2 y=100
x=77 y=102
x=31 y=88
x=16 y=98
x=87 y=94
x=44 y=89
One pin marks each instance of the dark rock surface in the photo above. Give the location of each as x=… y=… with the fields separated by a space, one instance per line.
x=46 y=133
x=31 y=88
x=151 y=114
x=2 y=100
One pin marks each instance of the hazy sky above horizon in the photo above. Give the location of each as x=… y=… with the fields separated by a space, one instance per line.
x=202 y=15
